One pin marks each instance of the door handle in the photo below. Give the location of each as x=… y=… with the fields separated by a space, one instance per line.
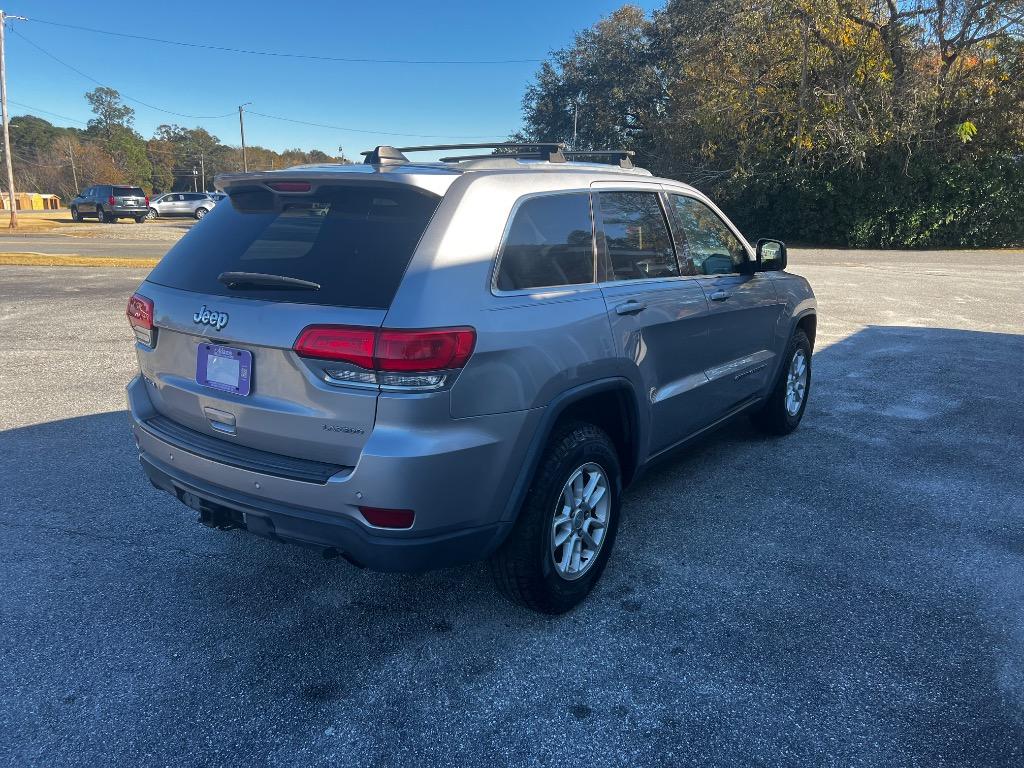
x=630 y=307
x=719 y=296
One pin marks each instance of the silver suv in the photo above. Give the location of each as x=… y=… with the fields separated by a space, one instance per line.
x=194 y=204
x=418 y=364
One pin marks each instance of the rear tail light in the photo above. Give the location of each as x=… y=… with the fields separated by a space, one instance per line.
x=388 y=518
x=417 y=359
x=110 y=200
x=147 y=201
x=140 y=315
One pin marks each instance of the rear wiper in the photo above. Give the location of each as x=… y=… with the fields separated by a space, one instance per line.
x=260 y=280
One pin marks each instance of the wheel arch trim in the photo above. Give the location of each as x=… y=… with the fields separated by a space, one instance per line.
x=552 y=412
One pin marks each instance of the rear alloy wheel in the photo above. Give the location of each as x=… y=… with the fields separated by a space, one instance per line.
x=101 y=215
x=200 y=212
x=75 y=215
x=566 y=528
x=785 y=406
x=581 y=522
x=151 y=213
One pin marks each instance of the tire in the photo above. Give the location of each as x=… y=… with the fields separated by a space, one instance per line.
x=524 y=567
x=778 y=416
x=101 y=216
x=152 y=214
x=200 y=212
x=75 y=215
x=141 y=219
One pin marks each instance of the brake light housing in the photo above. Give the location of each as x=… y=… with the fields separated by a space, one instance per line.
x=290 y=186
x=111 y=201
x=388 y=357
x=140 y=317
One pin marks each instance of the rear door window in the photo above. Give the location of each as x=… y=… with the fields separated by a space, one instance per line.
x=550 y=242
x=129 y=192
x=355 y=241
x=636 y=240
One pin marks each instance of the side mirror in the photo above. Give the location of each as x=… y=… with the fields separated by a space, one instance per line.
x=771 y=255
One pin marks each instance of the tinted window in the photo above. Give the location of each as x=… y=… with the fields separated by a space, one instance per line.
x=550 y=242
x=194 y=196
x=637 y=243
x=354 y=241
x=706 y=245
x=128 y=192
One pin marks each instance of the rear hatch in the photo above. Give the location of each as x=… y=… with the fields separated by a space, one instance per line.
x=231 y=299
x=129 y=197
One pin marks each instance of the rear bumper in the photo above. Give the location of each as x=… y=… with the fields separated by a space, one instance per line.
x=219 y=507
x=457 y=483
x=119 y=211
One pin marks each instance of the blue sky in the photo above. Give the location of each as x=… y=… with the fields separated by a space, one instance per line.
x=447 y=101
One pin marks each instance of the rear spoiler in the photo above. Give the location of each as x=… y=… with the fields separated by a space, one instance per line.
x=428 y=179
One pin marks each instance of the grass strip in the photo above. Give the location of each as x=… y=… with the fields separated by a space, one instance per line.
x=29 y=259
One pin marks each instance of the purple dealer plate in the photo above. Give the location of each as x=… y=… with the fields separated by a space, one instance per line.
x=224 y=368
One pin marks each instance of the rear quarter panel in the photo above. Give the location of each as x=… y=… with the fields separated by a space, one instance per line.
x=531 y=345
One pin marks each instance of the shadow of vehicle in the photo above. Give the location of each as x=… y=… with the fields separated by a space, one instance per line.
x=850 y=593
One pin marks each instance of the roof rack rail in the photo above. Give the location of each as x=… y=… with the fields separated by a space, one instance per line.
x=625 y=156
x=534 y=150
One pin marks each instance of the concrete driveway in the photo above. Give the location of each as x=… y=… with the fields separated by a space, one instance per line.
x=852 y=594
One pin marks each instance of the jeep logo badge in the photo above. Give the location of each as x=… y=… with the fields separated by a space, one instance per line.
x=208 y=317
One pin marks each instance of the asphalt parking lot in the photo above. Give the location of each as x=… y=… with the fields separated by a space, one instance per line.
x=852 y=594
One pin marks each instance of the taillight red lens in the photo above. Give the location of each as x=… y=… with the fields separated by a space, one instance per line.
x=110 y=200
x=140 y=312
x=147 y=201
x=290 y=186
x=338 y=342
x=436 y=349
x=388 y=518
x=417 y=351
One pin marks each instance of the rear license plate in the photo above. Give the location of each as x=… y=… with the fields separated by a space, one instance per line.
x=224 y=368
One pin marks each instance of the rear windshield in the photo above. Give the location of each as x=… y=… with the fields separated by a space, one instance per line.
x=354 y=241
x=128 y=192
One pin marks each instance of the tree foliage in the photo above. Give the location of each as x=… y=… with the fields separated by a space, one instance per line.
x=860 y=122
x=111 y=151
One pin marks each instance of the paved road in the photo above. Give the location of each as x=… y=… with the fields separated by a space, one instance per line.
x=850 y=595
x=84 y=246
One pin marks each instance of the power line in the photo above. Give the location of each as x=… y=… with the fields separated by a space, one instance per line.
x=231 y=114
x=124 y=95
x=282 y=54
x=47 y=112
x=366 y=130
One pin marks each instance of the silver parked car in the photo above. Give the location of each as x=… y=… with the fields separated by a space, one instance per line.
x=416 y=364
x=194 y=204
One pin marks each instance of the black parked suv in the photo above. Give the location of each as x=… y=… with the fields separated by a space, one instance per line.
x=110 y=202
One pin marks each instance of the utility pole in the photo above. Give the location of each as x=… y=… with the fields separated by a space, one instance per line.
x=241 y=128
x=195 y=181
x=74 y=173
x=202 y=166
x=3 y=109
x=575 y=115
